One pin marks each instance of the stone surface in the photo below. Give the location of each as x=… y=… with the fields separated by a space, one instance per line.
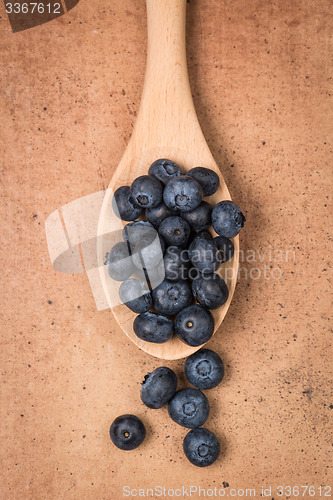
x=70 y=94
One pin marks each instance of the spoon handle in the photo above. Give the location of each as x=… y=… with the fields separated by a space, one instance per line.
x=166 y=104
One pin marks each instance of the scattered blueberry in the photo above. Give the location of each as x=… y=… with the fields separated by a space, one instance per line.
x=158 y=387
x=156 y=215
x=153 y=327
x=201 y=447
x=124 y=205
x=207 y=178
x=189 y=408
x=194 y=325
x=164 y=170
x=135 y=295
x=176 y=264
x=225 y=247
x=227 y=219
x=119 y=262
x=199 y=218
x=204 y=369
x=127 y=432
x=182 y=193
x=210 y=290
x=204 y=255
x=147 y=191
x=175 y=231
x=171 y=297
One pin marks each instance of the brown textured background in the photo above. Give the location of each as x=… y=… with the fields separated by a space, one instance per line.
x=70 y=91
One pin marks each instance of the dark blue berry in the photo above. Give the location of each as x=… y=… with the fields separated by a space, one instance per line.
x=164 y=170
x=119 y=262
x=153 y=327
x=182 y=193
x=199 y=218
x=225 y=247
x=189 y=408
x=210 y=290
x=153 y=277
x=124 y=205
x=204 y=255
x=175 y=231
x=133 y=231
x=194 y=325
x=227 y=219
x=156 y=215
x=147 y=191
x=127 y=432
x=204 y=369
x=135 y=295
x=201 y=447
x=171 y=297
x=148 y=251
x=207 y=178
x=176 y=264
x=158 y=387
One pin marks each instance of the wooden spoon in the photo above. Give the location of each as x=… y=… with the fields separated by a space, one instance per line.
x=166 y=127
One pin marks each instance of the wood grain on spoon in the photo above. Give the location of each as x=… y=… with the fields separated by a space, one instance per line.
x=166 y=127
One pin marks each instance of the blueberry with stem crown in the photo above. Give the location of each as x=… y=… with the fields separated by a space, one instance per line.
x=201 y=447
x=124 y=205
x=147 y=191
x=227 y=219
x=194 y=325
x=164 y=170
x=182 y=193
x=207 y=178
x=127 y=432
x=158 y=387
x=204 y=369
x=189 y=408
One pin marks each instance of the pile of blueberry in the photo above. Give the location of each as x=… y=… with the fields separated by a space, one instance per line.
x=167 y=264
x=187 y=407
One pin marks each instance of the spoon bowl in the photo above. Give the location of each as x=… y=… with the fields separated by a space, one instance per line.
x=166 y=127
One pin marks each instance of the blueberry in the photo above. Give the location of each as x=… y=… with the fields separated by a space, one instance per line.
x=202 y=234
x=164 y=170
x=158 y=387
x=156 y=215
x=210 y=290
x=227 y=219
x=127 y=432
x=199 y=218
x=194 y=325
x=175 y=231
x=147 y=191
x=225 y=247
x=153 y=277
x=201 y=447
x=204 y=255
x=119 y=262
x=176 y=264
x=148 y=251
x=207 y=178
x=182 y=193
x=153 y=327
x=124 y=205
x=171 y=297
x=204 y=369
x=133 y=231
x=189 y=408
x=135 y=295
